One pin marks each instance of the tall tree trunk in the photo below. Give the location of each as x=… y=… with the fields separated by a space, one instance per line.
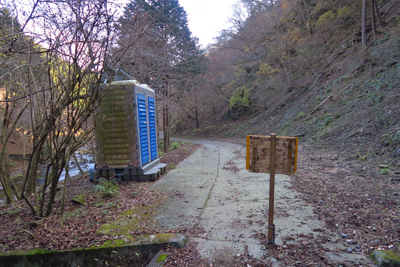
x=55 y=175
x=196 y=111
x=373 y=18
x=58 y=166
x=197 y=118
x=32 y=172
x=46 y=177
x=15 y=190
x=165 y=148
x=381 y=22
x=5 y=177
x=167 y=116
x=166 y=129
x=364 y=27
x=77 y=164
x=166 y=121
x=65 y=185
x=4 y=157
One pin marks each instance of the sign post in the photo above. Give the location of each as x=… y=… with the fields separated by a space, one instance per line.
x=271 y=226
x=273 y=155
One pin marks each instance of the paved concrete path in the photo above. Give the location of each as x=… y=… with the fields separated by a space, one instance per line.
x=212 y=187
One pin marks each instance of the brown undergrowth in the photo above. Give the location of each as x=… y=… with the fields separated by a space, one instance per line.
x=21 y=232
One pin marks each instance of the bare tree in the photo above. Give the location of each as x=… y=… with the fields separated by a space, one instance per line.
x=364 y=26
x=375 y=9
x=70 y=41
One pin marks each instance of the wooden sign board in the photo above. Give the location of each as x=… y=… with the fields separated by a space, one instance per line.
x=259 y=151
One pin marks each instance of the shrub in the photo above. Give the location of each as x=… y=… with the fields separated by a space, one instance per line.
x=266 y=70
x=108 y=188
x=326 y=18
x=286 y=124
x=384 y=171
x=174 y=145
x=171 y=166
x=240 y=99
x=344 y=12
x=300 y=115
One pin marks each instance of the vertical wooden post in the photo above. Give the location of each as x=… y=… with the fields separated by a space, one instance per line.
x=254 y=159
x=271 y=226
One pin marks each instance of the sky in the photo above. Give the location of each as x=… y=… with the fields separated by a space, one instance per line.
x=208 y=17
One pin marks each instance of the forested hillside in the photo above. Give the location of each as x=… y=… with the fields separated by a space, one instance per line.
x=271 y=71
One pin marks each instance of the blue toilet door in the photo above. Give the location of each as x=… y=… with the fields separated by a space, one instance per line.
x=152 y=128
x=143 y=132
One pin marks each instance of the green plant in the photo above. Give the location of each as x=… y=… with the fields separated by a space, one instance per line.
x=384 y=171
x=107 y=187
x=362 y=158
x=14 y=211
x=135 y=194
x=326 y=121
x=300 y=115
x=174 y=145
x=171 y=166
x=286 y=124
x=232 y=134
x=161 y=143
x=67 y=215
x=77 y=211
x=325 y=133
x=110 y=205
x=240 y=99
x=99 y=204
x=266 y=70
x=341 y=79
x=344 y=11
x=326 y=18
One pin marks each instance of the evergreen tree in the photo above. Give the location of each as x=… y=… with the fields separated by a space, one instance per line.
x=159 y=49
x=157 y=39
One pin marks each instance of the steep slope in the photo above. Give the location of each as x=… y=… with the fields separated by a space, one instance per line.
x=271 y=73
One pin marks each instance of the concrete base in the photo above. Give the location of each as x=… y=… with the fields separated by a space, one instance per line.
x=138 y=253
x=149 y=172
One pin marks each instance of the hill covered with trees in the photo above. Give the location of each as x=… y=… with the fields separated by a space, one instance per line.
x=307 y=68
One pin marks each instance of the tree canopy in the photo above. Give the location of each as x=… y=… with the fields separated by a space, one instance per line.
x=157 y=41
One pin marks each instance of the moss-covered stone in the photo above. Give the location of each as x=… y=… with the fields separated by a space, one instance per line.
x=118 y=252
x=162 y=257
x=386 y=258
x=80 y=199
x=127 y=221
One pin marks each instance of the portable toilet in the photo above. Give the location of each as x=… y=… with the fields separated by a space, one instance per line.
x=125 y=134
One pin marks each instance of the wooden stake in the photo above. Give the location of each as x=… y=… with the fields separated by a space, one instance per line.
x=271 y=226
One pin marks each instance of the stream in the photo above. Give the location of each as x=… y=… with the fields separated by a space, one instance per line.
x=85 y=161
